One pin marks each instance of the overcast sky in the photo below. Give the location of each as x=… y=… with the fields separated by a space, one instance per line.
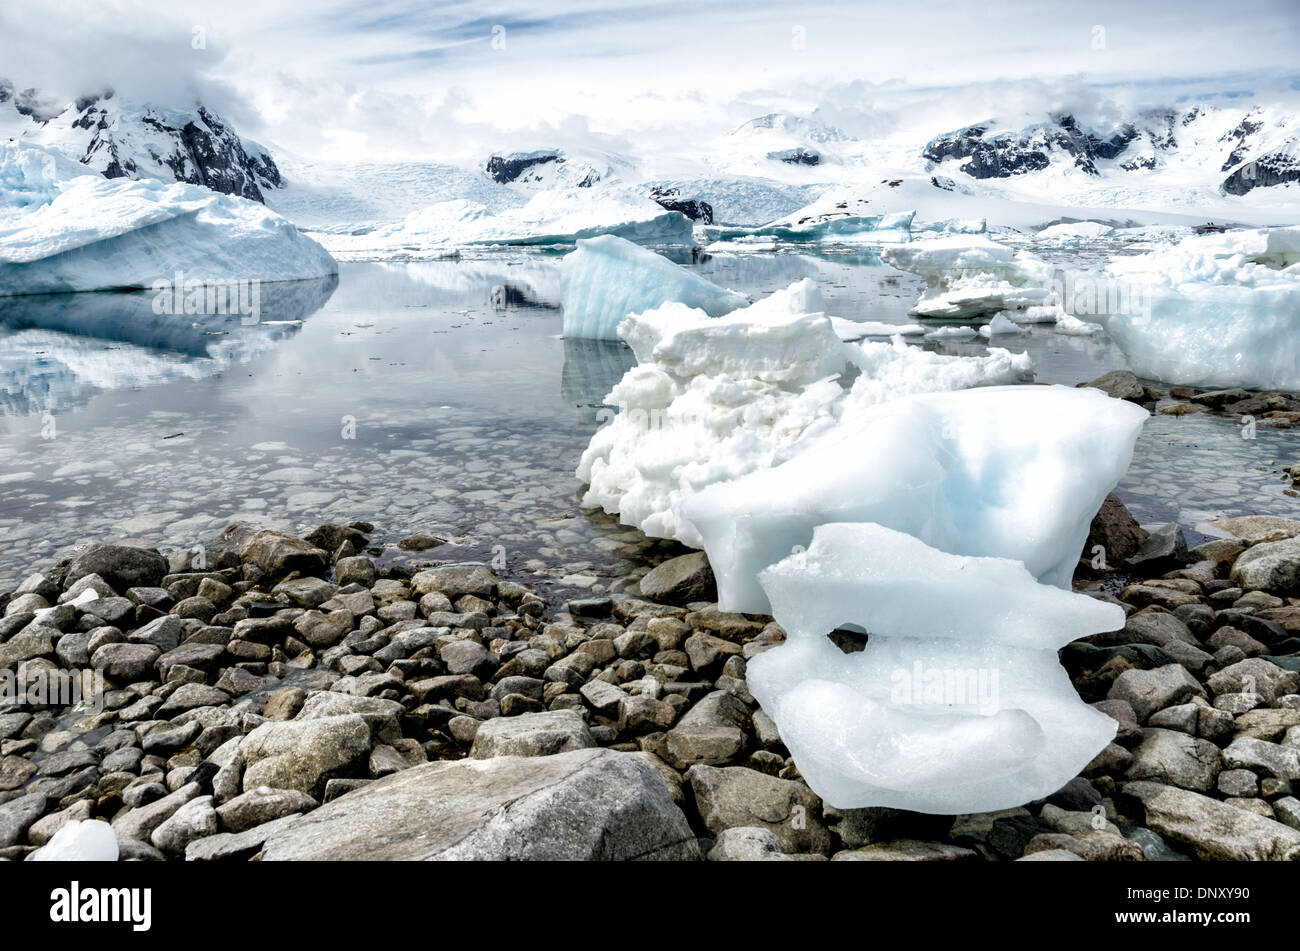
x=346 y=78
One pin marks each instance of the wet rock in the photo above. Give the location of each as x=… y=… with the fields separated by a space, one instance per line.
x=420 y=541
x=579 y=805
x=681 y=580
x=17 y=816
x=121 y=566
x=1164 y=549
x=1115 y=531
x=454 y=581
x=279 y=554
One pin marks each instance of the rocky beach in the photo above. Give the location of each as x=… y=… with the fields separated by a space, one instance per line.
x=306 y=698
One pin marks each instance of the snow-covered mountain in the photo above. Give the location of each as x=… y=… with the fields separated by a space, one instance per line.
x=1255 y=149
x=120 y=138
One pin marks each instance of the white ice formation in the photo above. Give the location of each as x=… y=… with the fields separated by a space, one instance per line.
x=713 y=399
x=606 y=278
x=1215 y=310
x=956 y=705
x=65 y=228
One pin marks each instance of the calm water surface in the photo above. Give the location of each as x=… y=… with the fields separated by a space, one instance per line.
x=403 y=395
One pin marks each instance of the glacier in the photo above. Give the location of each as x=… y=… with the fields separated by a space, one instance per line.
x=714 y=399
x=64 y=228
x=1214 y=310
x=1004 y=471
x=606 y=278
x=957 y=704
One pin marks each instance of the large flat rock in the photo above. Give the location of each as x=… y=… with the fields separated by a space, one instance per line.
x=580 y=805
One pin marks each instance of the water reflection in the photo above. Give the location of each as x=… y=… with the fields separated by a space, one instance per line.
x=59 y=350
x=591 y=368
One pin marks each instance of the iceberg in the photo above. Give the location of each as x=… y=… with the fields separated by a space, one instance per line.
x=1215 y=310
x=63 y=230
x=606 y=278
x=956 y=705
x=971 y=275
x=870 y=228
x=1005 y=471
x=714 y=399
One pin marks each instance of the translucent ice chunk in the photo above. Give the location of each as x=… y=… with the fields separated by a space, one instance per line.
x=88 y=840
x=957 y=704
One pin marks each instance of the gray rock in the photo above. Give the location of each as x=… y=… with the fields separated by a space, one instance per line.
x=1269 y=759
x=126 y=662
x=1120 y=384
x=705 y=744
x=532 y=734
x=121 y=566
x=1115 y=530
x=1154 y=848
x=235 y=846
x=305 y=592
x=603 y=697
x=1147 y=691
x=1287 y=811
x=140 y=822
x=907 y=850
x=1164 y=548
x=29 y=643
x=735 y=796
x=189 y=697
x=1213 y=830
x=1269 y=566
x=454 y=581
x=579 y=805
x=681 y=580
x=1255 y=676
x=17 y=816
x=1176 y=759
x=303 y=754
x=278 y=554
x=1051 y=855
x=191 y=821
x=747 y=844
x=262 y=804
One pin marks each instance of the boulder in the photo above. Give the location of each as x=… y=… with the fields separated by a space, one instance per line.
x=681 y=580
x=1213 y=830
x=581 y=805
x=303 y=754
x=532 y=734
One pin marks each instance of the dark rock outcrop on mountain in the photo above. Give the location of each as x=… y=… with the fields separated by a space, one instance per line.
x=504 y=169
x=694 y=208
x=1030 y=150
x=204 y=151
x=1277 y=167
x=124 y=140
x=797 y=156
x=1238 y=136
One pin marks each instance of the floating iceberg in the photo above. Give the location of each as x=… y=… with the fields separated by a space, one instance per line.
x=80 y=840
x=1216 y=310
x=970 y=275
x=607 y=278
x=956 y=705
x=1010 y=472
x=713 y=399
x=62 y=230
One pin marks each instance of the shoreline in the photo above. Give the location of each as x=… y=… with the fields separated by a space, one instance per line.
x=257 y=690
